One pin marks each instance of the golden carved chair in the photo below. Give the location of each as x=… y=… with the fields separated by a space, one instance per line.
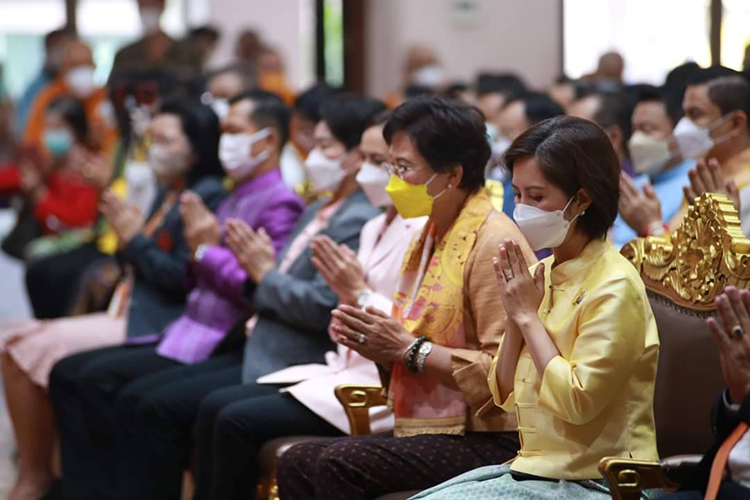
x=684 y=272
x=356 y=400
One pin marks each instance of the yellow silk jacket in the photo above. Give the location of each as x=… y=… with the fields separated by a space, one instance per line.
x=596 y=398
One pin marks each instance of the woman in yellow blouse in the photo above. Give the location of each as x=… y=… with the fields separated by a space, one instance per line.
x=578 y=359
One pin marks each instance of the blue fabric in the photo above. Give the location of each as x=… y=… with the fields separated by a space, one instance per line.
x=668 y=186
x=24 y=104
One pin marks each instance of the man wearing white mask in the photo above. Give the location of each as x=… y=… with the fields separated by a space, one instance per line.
x=654 y=196
x=715 y=132
x=156 y=50
x=76 y=79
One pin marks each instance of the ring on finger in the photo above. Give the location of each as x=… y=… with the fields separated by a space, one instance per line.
x=508 y=278
x=361 y=339
x=737 y=332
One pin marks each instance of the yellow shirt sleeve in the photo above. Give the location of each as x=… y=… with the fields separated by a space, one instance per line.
x=610 y=340
x=510 y=402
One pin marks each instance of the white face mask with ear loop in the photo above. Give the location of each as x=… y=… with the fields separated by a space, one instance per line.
x=324 y=173
x=235 y=153
x=373 y=180
x=543 y=229
x=695 y=141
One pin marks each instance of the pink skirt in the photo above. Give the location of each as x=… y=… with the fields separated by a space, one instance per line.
x=36 y=345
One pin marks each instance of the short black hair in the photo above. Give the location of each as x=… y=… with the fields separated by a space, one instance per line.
x=348 y=115
x=269 y=110
x=574 y=154
x=206 y=30
x=73 y=114
x=730 y=93
x=454 y=90
x=538 y=106
x=308 y=103
x=615 y=108
x=501 y=83
x=670 y=97
x=382 y=117
x=705 y=75
x=446 y=133
x=201 y=126
x=681 y=75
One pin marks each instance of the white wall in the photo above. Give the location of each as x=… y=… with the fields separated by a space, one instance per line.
x=518 y=35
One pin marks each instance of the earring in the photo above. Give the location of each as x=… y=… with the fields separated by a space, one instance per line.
x=450 y=186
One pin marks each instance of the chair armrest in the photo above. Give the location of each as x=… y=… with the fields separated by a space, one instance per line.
x=627 y=477
x=679 y=468
x=357 y=400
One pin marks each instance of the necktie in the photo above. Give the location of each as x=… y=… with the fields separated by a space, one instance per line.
x=720 y=461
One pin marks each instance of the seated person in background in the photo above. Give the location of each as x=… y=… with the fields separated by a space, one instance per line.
x=183 y=154
x=54 y=48
x=60 y=195
x=492 y=92
x=436 y=349
x=139 y=427
x=305 y=117
x=518 y=114
x=224 y=84
x=76 y=80
x=205 y=38
x=658 y=164
x=578 y=359
x=724 y=473
x=230 y=436
x=156 y=50
x=612 y=112
x=716 y=132
x=421 y=67
x=272 y=75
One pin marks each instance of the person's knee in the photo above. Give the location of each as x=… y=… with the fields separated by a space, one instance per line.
x=334 y=457
x=297 y=462
x=64 y=377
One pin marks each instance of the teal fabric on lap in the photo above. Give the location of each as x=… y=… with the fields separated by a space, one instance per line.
x=496 y=483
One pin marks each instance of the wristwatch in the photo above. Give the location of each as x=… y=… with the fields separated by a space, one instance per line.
x=200 y=252
x=363 y=297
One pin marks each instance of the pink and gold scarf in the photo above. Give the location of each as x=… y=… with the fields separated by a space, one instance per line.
x=430 y=301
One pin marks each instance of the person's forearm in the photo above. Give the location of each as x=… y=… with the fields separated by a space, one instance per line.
x=541 y=347
x=508 y=360
x=438 y=365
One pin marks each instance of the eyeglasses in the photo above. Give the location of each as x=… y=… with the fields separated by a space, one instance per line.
x=397 y=169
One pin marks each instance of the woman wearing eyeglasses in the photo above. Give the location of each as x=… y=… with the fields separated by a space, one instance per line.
x=437 y=345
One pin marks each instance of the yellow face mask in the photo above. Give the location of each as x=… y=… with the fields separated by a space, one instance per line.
x=411 y=200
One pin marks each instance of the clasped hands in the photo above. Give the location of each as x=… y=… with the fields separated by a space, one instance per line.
x=520 y=292
x=126 y=220
x=731 y=328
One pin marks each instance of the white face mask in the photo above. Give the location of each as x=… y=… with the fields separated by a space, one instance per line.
x=373 y=181
x=80 y=81
x=235 y=153
x=500 y=146
x=543 y=229
x=166 y=165
x=141 y=185
x=428 y=76
x=649 y=154
x=325 y=174
x=150 y=20
x=695 y=141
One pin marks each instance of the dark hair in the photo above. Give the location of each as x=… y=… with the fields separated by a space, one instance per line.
x=730 y=93
x=705 y=75
x=53 y=36
x=615 y=108
x=347 y=116
x=206 y=30
x=574 y=154
x=670 y=97
x=413 y=91
x=501 y=83
x=538 y=106
x=309 y=102
x=73 y=114
x=446 y=133
x=679 y=76
x=381 y=118
x=201 y=126
x=269 y=110
x=454 y=90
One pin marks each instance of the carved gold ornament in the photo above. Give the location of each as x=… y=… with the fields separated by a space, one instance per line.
x=692 y=265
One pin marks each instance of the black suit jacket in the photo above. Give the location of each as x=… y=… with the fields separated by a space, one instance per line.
x=723 y=422
x=161 y=264
x=294 y=308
